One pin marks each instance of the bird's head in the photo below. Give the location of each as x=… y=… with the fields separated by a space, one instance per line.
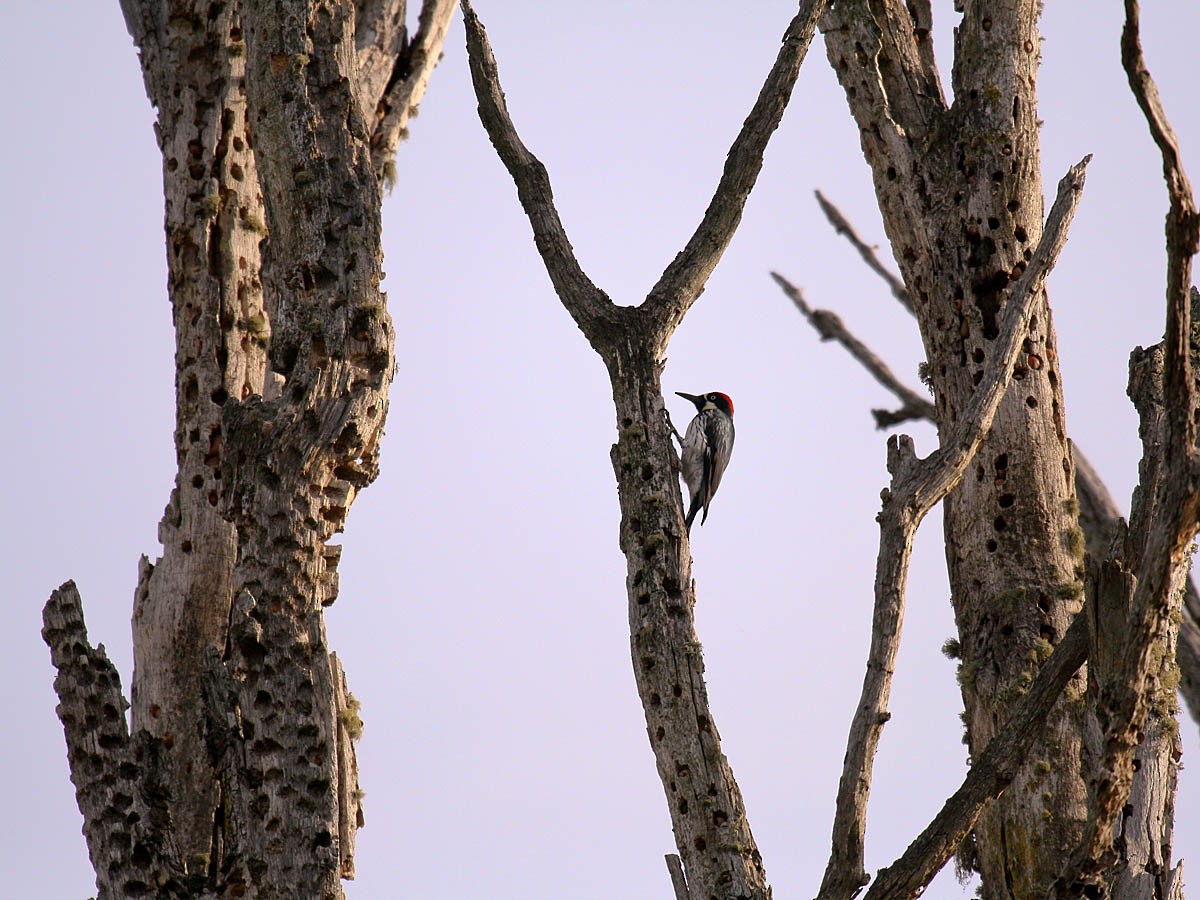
x=711 y=400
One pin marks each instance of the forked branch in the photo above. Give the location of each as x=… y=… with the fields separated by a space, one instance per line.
x=917 y=486
x=684 y=279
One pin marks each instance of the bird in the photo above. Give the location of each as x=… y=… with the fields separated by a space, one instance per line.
x=707 y=446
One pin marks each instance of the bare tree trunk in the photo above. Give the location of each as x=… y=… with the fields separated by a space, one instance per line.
x=194 y=71
x=237 y=777
x=960 y=189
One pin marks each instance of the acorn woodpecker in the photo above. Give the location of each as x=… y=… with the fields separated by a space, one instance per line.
x=707 y=447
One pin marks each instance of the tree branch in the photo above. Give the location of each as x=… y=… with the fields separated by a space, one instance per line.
x=678 y=879
x=1141 y=594
x=684 y=279
x=843 y=227
x=1098 y=510
x=988 y=776
x=412 y=68
x=589 y=306
x=380 y=37
x=829 y=326
x=118 y=783
x=1182 y=229
x=916 y=487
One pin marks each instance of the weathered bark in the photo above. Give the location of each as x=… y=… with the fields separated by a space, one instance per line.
x=193 y=63
x=916 y=487
x=961 y=197
x=712 y=832
x=1098 y=511
x=240 y=774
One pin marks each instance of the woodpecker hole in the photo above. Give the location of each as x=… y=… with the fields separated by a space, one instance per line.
x=1043 y=603
x=682 y=770
x=1053 y=378
x=987 y=23
x=1001 y=463
x=1031 y=401
x=1047 y=633
x=992 y=546
x=1014 y=205
x=1000 y=524
x=979 y=473
x=700 y=844
x=676 y=691
x=977 y=355
x=1006 y=630
x=186 y=546
x=720 y=817
x=655 y=700
x=647 y=472
x=1034 y=361
x=212 y=498
x=683 y=806
x=1020 y=234
x=197 y=481
x=1006 y=500
x=660 y=733
x=993 y=222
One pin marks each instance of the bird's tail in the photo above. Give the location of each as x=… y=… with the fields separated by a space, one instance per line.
x=691 y=515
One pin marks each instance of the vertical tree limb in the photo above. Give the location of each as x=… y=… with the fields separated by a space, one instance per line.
x=193 y=65
x=712 y=832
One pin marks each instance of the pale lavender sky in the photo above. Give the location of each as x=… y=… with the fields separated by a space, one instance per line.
x=482 y=618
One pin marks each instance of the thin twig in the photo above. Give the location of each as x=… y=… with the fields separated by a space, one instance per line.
x=917 y=486
x=843 y=227
x=829 y=325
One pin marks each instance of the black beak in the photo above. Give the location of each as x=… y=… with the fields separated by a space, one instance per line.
x=697 y=400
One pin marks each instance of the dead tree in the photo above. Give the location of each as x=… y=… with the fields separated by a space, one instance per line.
x=712 y=832
x=959 y=187
x=236 y=776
